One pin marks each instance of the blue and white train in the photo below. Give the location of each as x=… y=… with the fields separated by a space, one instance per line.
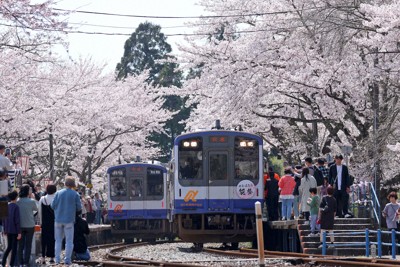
x=217 y=176
x=138 y=206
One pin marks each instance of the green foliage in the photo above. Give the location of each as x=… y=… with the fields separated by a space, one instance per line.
x=276 y=164
x=142 y=50
x=147 y=49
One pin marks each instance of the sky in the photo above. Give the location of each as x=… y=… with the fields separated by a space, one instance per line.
x=109 y=49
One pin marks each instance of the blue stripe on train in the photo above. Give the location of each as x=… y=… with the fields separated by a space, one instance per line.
x=215 y=205
x=138 y=214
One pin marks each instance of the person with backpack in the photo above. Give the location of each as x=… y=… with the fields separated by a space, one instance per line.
x=46 y=219
x=327 y=211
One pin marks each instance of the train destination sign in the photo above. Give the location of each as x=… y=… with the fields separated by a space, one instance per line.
x=245 y=189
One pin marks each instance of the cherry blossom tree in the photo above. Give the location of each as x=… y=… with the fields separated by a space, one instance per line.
x=31 y=28
x=284 y=67
x=90 y=115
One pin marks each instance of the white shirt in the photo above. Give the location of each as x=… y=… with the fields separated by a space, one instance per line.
x=339 y=176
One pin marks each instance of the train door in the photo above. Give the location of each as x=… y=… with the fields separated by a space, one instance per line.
x=136 y=195
x=218 y=182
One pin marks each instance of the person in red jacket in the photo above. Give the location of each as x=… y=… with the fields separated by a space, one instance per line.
x=271 y=193
x=286 y=186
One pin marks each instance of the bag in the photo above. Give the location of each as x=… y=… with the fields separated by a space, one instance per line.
x=325 y=209
x=319 y=177
x=319 y=221
x=334 y=183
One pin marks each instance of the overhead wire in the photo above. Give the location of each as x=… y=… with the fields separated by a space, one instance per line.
x=161 y=17
x=186 y=17
x=168 y=35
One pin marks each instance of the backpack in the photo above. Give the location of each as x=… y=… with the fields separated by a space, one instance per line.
x=319 y=177
x=325 y=208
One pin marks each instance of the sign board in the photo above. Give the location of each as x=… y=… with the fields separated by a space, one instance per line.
x=245 y=189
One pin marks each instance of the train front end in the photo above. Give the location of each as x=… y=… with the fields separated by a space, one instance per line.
x=217 y=180
x=138 y=205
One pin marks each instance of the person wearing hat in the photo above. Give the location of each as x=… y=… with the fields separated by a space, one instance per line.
x=339 y=179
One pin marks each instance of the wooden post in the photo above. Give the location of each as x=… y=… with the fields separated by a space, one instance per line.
x=260 y=235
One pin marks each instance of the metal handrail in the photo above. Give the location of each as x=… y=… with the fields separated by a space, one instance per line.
x=367 y=242
x=376 y=206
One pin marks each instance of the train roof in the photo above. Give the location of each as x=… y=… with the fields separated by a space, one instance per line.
x=137 y=164
x=216 y=133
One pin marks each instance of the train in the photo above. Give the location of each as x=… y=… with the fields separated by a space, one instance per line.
x=206 y=193
x=138 y=205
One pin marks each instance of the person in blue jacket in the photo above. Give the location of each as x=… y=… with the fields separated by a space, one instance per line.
x=65 y=205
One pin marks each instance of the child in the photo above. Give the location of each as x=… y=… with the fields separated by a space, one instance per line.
x=12 y=229
x=324 y=187
x=390 y=210
x=314 y=208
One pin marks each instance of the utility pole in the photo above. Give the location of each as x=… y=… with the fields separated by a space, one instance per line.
x=315 y=139
x=119 y=155
x=375 y=105
x=51 y=155
x=89 y=159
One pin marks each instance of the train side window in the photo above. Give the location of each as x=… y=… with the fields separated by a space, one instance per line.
x=218 y=166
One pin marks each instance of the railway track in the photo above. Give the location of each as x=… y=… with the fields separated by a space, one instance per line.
x=112 y=259
x=116 y=260
x=325 y=260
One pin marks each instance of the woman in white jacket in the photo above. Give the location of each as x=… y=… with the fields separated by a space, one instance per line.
x=307 y=182
x=46 y=218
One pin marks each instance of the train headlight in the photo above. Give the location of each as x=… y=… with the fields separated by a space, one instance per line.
x=250 y=144
x=243 y=144
x=193 y=144
x=186 y=144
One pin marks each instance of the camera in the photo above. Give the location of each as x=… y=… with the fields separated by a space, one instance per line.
x=7 y=151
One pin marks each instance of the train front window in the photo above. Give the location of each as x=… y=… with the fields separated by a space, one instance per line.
x=136 y=188
x=246 y=158
x=154 y=182
x=218 y=166
x=117 y=183
x=191 y=158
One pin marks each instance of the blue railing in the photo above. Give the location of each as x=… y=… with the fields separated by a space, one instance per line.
x=375 y=205
x=367 y=242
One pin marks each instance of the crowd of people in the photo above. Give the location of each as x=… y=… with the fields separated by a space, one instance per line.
x=62 y=214
x=316 y=192
x=59 y=214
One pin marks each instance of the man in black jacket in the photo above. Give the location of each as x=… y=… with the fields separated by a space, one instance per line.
x=340 y=180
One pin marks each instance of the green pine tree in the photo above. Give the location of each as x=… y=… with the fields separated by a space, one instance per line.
x=142 y=50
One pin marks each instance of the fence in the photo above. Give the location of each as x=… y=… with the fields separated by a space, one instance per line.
x=379 y=244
